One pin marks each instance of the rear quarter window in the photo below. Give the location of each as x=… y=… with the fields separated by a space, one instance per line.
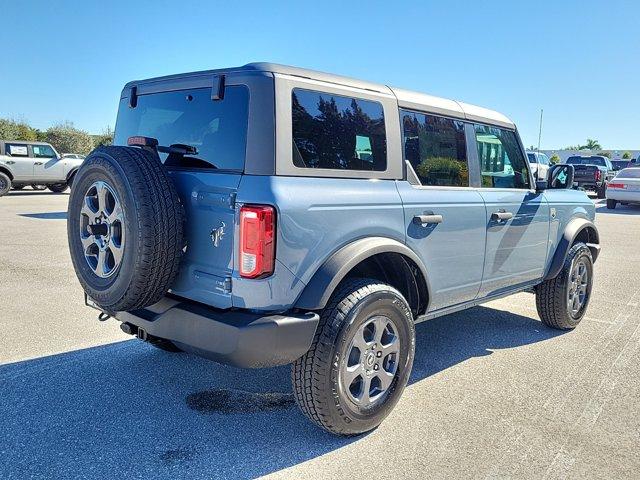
x=337 y=132
x=218 y=129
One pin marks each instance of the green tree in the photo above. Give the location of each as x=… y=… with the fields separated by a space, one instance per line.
x=105 y=138
x=591 y=145
x=626 y=156
x=17 y=130
x=554 y=159
x=68 y=139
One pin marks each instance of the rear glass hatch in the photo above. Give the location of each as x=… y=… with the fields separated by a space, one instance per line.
x=207 y=180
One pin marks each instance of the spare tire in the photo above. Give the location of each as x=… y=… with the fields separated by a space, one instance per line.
x=125 y=228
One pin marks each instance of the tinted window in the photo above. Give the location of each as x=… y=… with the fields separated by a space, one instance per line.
x=629 y=173
x=532 y=158
x=502 y=163
x=218 y=129
x=436 y=148
x=620 y=164
x=600 y=161
x=43 y=151
x=336 y=132
x=16 y=149
x=544 y=159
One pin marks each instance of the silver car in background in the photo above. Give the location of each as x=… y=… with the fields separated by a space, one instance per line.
x=539 y=163
x=624 y=188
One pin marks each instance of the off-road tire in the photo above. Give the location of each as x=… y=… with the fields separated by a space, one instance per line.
x=602 y=191
x=5 y=184
x=58 y=187
x=551 y=295
x=153 y=225
x=611 y=204
x=317 y=389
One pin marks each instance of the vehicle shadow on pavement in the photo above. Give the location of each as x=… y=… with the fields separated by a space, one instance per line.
x=46 y=215
x=128 y=410
x=619 y=210
x=19 y=193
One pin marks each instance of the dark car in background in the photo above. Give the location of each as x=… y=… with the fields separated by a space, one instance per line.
x=592 y=172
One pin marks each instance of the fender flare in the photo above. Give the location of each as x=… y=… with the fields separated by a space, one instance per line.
x=7 y=172
x=323 y=283
x=72 y=173
x=572 y=230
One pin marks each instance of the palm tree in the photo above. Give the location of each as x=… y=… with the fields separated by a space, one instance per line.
x=591 y=145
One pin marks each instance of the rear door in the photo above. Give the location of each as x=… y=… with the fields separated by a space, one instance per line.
x=444 y=216
x=19 y=160
x=517 y=217
x=207 y=181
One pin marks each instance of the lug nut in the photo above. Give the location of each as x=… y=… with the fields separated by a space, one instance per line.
x=379 y=354
x=375 y=367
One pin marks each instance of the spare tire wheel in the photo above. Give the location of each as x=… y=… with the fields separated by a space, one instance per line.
x=125 y=228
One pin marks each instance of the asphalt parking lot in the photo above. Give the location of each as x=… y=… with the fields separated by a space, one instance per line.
x=493 y=392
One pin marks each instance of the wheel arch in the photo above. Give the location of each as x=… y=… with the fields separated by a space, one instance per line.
x=381 y=258
x=577 y=230
x=7 y=172
x=71 y=174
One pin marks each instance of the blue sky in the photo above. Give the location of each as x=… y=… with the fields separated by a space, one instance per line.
x=579 y=60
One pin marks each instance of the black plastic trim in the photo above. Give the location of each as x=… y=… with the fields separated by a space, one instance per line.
x=232 y=337
x=572 y=230
x=319 y=289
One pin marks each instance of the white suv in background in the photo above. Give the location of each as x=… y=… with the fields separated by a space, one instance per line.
x=539 y=164
x=34 y=163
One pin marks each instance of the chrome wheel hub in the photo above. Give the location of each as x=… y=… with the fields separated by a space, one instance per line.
x=102 y=229
x=371 y=361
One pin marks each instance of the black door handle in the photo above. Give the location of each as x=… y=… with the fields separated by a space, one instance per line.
x=10 y=162
x=427 y=219
x=38 y=163
x=502 y=216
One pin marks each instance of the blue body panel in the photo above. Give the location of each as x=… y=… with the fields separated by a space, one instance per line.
x=452 y=251
x=468 y=256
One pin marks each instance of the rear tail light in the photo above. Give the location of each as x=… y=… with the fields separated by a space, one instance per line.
x=257 y=240
x=598 y=175
x=617 y=185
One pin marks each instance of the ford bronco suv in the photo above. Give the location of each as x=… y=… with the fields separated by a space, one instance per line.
x=34 y=163
x=266 y=215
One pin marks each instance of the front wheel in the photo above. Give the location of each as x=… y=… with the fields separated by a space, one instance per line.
x=58 y=187
x=5 y=184
x=359 y=362
x=562 y=301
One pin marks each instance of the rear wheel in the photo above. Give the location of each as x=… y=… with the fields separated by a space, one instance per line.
x=562 y=301
x=58 y=187
x=360 y=359
x=124 y=228
x=611 y=204
x=602 y=191
x=5 y=184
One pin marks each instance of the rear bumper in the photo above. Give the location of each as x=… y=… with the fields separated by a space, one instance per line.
x=623 y=195
x=231 y=337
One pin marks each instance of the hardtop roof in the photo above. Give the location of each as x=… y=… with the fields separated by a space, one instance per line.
x=406 y=98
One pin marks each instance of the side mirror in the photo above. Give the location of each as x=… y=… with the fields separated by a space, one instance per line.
x=560 y=176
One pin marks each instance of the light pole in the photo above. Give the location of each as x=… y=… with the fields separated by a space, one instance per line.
x=540 y=130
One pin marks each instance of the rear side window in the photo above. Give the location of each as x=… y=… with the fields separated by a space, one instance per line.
x=502 y=163
x=218 y=129
x=336 y=132
x=16 y=150
x=532 y=158
x=436 y=148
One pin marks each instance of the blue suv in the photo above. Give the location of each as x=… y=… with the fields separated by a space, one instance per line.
x=266 y=215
